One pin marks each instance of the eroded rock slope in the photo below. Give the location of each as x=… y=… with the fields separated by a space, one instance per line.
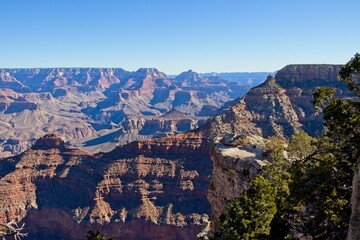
x=97 y=108
x=164 y=188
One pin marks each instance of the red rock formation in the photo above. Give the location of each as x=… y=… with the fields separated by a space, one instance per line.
x=280 y=106
x=141 y=189
x=155 y=188
x=83 y=104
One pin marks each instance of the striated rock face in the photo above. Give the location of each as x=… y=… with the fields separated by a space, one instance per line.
x=236 y=162
x=25 y=117
x=300 y=81
x=265 y=111
x=141 y=128
x=306 y=76
x=280 y=106
x=152 y=189
x=354 y=227
x=163 y=188
x=99 y=108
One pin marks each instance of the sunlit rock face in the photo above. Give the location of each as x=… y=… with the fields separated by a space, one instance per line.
x=280 y=106
x=161 y=188
x=236 y=161
x=152 y=189
x=97 y=109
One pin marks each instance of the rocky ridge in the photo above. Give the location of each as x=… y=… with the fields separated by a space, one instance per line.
x=280 y=106
x=154 y=185
x=163 y=188
x=86 y=106
x=236 y=161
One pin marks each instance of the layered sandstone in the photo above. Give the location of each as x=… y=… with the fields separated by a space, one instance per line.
x=135 y=128
x=163 y=188
x=99 y=108
x=280 y=106
x=133 y=191
x=237 y=160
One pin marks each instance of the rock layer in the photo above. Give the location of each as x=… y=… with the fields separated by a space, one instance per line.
x=280 y=106
x=162 y=188
x=236 y=162
x=133 y=191
x=91 y=106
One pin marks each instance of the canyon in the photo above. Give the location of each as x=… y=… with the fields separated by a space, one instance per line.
x=96 y=109
x=168 y=187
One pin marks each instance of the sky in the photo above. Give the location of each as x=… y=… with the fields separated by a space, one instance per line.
x=177 y=35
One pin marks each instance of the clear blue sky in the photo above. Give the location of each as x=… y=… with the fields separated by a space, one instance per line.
x=177 y=35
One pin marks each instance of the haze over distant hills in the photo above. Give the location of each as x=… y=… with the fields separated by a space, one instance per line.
x=99 y=108
x=251 y=78
x=163 y=188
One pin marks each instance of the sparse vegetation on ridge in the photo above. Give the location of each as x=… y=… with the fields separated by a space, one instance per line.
x=312 y=185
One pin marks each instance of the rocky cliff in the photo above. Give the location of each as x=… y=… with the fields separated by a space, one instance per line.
x=99 y=108
x=151 y=189
x=236 y=161
x=164 y=188
x=280 y=106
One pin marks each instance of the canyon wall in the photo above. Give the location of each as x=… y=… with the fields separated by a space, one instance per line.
x=280 y=106
x=163 y=188
x=144 y=190
x=96 y=109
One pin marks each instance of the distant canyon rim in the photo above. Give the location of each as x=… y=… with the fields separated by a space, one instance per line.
x=161 y=157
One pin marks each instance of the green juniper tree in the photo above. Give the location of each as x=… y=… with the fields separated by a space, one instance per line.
x=249 y=217
x=320 y=193
x=311 y=190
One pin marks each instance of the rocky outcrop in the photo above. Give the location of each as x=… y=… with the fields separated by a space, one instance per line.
x=280 y=106
x=49 y=141
x=133 y=191
x=300 y=81
x=265 y=111
x=160 y=188
x=92 y=107
x=237 y=160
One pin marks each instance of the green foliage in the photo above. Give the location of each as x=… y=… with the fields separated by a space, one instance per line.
x=301 y=147
x=320 y=197
x=277 y=171
x=97 y=236
x=308 y=193
x=350 y=74
x=249 y=217
x=321 y=189
x=322 y=96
